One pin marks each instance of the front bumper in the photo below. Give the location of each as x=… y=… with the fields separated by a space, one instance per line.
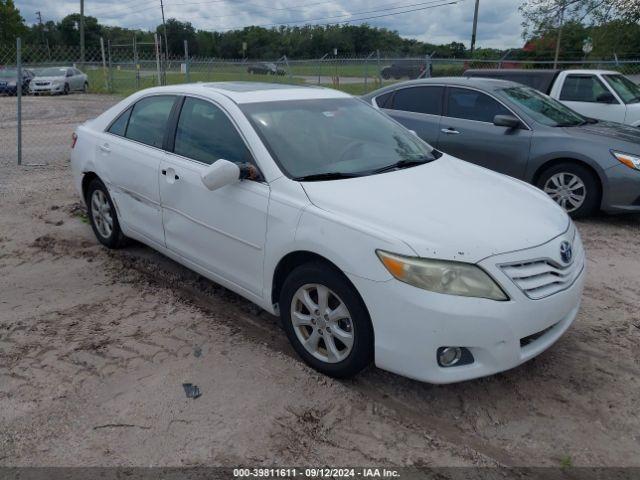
x=36 y=89
x=410 y=324
x=622 y=190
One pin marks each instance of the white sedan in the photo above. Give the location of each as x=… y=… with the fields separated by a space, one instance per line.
x=369 y=244
x=59 y=80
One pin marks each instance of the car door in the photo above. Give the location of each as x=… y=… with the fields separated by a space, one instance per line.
x=78 y=79
x=417 y=108
x=132 y=150
x=585 y=93
x=467 y=132
x=222 y=231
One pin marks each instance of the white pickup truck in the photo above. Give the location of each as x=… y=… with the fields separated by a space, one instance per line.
x=601 y=94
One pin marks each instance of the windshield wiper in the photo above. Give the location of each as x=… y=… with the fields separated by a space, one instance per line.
x=317 y=177
x=403 y=164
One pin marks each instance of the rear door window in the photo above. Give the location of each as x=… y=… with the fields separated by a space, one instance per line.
x=419 y=100
x=473 y=105
x=148 y=121
x=582 y=88
x=384 y=100
x=119 y=126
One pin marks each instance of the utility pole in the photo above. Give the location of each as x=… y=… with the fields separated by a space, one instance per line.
x=164 y=26
x=475 y=28
x=555 y=60
x=82 y=32
x=45 y=40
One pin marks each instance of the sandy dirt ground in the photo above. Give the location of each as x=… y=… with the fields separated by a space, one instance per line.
x=95 y=346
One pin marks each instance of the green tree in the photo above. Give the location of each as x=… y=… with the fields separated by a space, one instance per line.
x=177 y=33
x=542 y=15
x=11 y=23
x=69 y=30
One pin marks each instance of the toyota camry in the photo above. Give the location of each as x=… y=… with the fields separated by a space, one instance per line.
x=372 y=246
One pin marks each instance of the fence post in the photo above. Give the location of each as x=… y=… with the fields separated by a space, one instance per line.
x=378 y=63
x=136 y=62
x=155 y=39
x=187 y=66
x=110 y=66
x=286 y=62
x=19 y=96
x=320 y=66
x=104 y=65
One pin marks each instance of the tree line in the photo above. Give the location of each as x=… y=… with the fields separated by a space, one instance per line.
x=614 y=31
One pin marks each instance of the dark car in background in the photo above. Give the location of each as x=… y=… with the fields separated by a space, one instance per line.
x=9 y=80
x=582 y=163
x=265 y=68
x=404 y=68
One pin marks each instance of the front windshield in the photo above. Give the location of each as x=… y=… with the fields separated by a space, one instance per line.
x=625 y=88
x=337 y=135
x=13 y=74
x=542 y=108
x=52 y=72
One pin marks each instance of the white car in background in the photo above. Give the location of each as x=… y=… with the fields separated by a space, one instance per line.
x=369 y=244
x=59 y=80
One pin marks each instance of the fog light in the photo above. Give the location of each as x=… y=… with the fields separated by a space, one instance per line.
x=449 y=356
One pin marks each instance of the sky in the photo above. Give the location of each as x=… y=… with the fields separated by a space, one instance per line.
x=498 y=24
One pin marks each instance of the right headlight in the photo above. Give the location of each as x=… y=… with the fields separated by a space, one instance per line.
x=442 y=276
x=631 y=161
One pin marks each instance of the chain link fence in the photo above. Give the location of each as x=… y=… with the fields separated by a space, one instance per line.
x=117 y=69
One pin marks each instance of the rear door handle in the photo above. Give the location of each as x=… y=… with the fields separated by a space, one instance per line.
x=450 y=131
x=105 y=148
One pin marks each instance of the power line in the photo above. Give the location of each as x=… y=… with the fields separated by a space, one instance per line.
x=453 y=2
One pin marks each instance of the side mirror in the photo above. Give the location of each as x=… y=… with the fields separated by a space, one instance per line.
x=606 y=97
x=508 y=121
x=220 y=173
x=414 y=132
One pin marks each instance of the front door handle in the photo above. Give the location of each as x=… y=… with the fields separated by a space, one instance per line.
x=105 y=148
x=450 y=131
x=172 y=173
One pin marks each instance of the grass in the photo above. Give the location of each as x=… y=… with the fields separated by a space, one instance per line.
x=125 y=81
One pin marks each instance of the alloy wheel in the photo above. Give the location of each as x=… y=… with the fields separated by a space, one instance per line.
x=322 y=323
x=567 y=190
x=102 y=213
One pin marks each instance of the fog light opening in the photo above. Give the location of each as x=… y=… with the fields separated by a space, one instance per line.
x=449 y=356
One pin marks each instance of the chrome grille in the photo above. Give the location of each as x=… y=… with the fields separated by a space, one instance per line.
x=544 y=277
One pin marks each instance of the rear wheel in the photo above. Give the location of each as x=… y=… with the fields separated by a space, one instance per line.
x=574 y=187
x=85 y=87
x=326 y=321
x=66 y=89
x=103 y=216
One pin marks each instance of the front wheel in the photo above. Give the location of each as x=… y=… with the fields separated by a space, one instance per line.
x=103 y=216
x=66 y=89
x=85 y=87
x=326 y=321
x=573 y=187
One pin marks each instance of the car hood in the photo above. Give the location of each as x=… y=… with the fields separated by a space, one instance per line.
x=447 y=209
x=618 y=131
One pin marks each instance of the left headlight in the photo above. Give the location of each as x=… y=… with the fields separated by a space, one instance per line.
x=631 y=161
x=441 y=276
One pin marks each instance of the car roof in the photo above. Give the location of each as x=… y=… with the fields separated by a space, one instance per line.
x=252 y=92
x=489 y=84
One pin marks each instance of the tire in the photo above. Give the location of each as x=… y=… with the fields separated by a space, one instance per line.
x=572 y=178
x=110 y=237
x=85 y=87
x=66 y=89
x=385 y=74
x=346 y=360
